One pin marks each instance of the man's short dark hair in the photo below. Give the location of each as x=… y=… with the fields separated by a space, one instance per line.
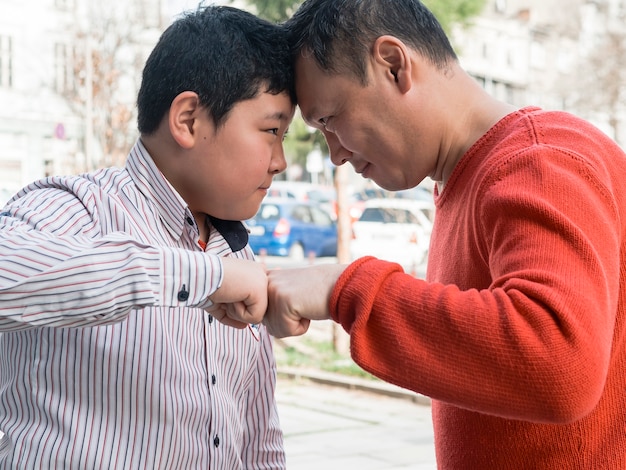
x=338 y=34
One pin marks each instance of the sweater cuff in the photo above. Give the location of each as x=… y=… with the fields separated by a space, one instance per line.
x=356 y=289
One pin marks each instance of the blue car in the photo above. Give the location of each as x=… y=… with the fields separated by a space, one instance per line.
x=288 y=227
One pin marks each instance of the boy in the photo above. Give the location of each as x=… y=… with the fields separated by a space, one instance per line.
x=110 y=282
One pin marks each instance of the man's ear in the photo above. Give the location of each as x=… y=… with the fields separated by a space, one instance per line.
x=393 y=56
x=182 y=117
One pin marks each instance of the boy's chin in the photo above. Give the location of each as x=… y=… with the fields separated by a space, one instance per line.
x=242 y=208
x=244 y=212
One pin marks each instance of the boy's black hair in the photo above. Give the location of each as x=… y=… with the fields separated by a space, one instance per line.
x=338 y=34
x=223 y=54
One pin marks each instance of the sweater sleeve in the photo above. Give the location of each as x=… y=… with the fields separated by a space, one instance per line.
x=534 y=342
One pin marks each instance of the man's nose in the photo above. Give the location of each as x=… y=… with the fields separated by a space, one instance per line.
x=338 y=154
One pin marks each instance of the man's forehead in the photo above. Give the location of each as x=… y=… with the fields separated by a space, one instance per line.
x=308 y=76
x=309 y=110
x=305 y=67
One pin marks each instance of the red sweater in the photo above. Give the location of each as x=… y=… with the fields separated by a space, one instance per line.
x=518 y=334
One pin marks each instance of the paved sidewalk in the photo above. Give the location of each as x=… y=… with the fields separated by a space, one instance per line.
x=335 y=427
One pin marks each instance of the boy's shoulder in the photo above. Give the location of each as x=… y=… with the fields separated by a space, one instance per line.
x=82 y=186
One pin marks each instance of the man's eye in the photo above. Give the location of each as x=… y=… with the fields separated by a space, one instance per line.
x=323 y=121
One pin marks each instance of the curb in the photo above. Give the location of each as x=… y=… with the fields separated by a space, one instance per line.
x=353 y=383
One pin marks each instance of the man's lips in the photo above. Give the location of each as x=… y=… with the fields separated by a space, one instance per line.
x=362 y=169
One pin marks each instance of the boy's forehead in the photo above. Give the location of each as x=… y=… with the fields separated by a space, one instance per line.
x=271 y=106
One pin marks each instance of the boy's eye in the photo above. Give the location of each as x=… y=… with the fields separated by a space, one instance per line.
x=273 y=130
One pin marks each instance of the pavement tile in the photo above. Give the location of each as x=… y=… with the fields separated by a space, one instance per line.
x=337 y=428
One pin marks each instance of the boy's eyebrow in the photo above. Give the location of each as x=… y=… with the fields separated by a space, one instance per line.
x=281 y=116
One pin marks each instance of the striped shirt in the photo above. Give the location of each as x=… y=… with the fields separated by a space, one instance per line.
x=107 y=359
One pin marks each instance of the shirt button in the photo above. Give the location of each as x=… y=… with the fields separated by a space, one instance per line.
x=189 y=221
x=216 y=441
x=210 y=319
x=183 y=294
x=213 y=379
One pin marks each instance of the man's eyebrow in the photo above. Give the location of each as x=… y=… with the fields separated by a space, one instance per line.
x=308 y=116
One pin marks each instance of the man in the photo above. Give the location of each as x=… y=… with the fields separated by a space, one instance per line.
x=110 y=282
x=518 y=332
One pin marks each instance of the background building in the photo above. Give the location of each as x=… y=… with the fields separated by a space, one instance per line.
x=553 y=54
x=69 y=71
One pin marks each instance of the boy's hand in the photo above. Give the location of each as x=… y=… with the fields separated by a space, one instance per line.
x=242 y=297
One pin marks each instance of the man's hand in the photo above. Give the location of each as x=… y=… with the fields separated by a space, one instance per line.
x=242 y=297
x=297 y=296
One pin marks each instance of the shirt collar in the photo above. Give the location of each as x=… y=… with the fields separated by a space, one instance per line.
x=172 y=208
x=233 y=231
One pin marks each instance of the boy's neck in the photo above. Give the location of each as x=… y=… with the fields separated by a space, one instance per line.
x=203 y=225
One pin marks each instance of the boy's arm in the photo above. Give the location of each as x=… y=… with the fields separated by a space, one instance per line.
x=242 y=296
x=57 y=270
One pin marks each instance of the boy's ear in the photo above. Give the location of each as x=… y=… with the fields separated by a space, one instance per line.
x=393 y=55
x=182 y=117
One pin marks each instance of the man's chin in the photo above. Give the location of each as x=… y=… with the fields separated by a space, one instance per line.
x=384 y=184
x=391 y=185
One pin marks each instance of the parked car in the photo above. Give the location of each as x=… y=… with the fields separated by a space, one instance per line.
x=393 y=229
x=326 y=196
x=288 y=227
x=358 y=199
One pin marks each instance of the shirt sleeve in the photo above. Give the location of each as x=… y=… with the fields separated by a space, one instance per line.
x=57 y=269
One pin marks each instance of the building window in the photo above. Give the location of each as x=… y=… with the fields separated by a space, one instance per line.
x=6 y=61
x=64 y=4
x=48 y=168
x=481 y=80
x=62 y=68
x=148 y=13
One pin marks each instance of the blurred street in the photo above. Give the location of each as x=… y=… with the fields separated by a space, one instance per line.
x=336 y=428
